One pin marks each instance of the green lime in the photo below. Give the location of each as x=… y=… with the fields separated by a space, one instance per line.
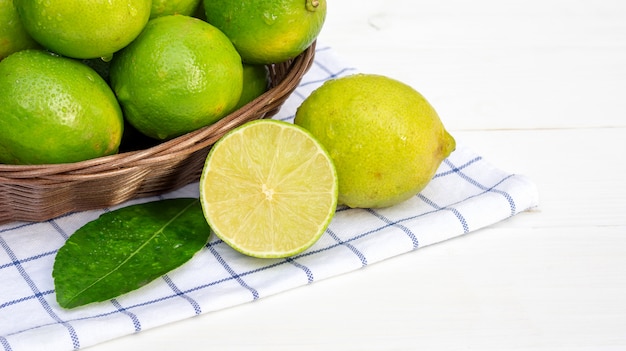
x=179 y=75
x=84 y=28
x=55 y=110
x=268 y=189
x=13 y=35
x=174 y=7
x=255 y=82
x=384 y=137
x=268 y=31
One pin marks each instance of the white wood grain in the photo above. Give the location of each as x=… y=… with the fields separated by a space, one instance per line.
x=536 y=88
x=495 y=64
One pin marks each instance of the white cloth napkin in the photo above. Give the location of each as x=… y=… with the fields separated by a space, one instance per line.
x=466 y=194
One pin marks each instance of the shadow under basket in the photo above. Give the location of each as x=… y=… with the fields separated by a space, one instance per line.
x=36 y=193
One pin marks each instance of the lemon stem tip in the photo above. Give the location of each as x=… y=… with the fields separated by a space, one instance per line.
x=311 y=5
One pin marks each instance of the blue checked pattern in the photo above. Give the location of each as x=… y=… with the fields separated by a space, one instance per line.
x=466 y=194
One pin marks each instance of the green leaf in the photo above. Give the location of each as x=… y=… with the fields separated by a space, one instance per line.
x=126 y=249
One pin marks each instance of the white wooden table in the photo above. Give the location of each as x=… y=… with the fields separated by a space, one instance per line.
x=535 y=87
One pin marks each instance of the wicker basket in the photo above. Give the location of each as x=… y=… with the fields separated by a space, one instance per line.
x=39 y=193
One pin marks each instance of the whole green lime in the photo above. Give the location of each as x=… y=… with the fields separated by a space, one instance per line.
x=173 y=7
x=385 y=139
x=268 y=31
x=55 y=110
x=13 y=35
x=84 y=28
x=179 y=75
x=255 y=82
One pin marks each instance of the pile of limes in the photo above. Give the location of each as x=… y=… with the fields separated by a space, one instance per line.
x=80 y=77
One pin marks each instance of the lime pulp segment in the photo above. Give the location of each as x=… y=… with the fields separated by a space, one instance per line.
x=269 y=189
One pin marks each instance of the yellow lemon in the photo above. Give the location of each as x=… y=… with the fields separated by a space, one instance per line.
x=384 y=137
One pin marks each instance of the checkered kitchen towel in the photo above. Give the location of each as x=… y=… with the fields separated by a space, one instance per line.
x=466 y=194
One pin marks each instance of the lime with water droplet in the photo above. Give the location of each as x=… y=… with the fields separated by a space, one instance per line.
x=55 y=110
x=268 y=31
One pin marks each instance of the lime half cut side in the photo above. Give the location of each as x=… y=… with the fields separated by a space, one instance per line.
x=269 y=189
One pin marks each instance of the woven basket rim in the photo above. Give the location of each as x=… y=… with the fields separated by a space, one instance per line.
x=184 y=144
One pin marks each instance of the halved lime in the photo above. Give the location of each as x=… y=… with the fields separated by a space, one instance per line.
x=268 y=189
